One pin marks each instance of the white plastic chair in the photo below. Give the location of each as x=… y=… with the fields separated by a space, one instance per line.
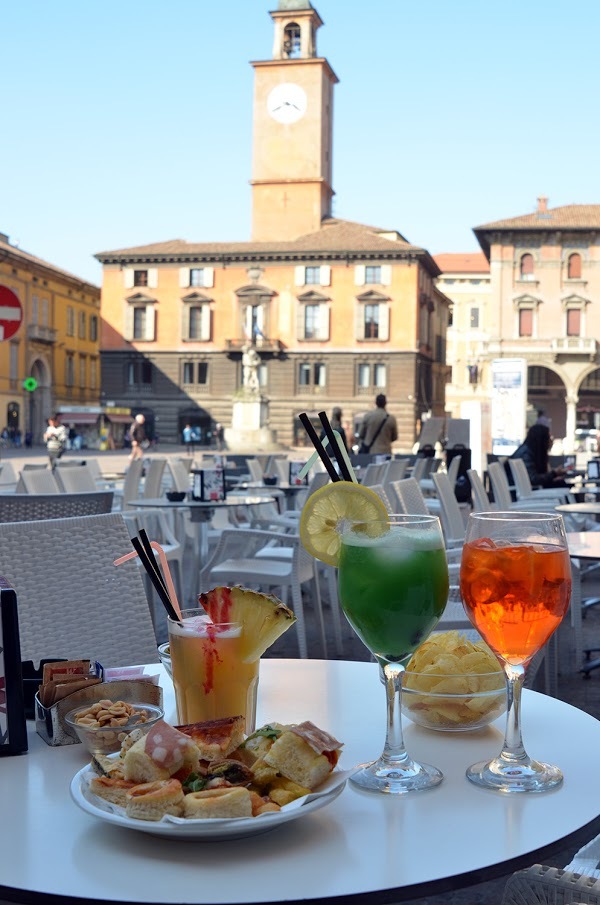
x=395 y=470
x=409 y=498
x=525 y=488
x=234 y=561
x=38 y=480
x=256 y=470
x=8 y=476
x=180 y=475
x=452 y=470
x=153 y=480
x=131 y=485
x=373 y=473
x=502 y=496
x=282 y=470
x=453 y=523
x=481 y=501
x=155 y=523
x=78 y=479
x=73 y=601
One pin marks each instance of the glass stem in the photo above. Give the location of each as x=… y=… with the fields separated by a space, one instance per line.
x=394 y=752
x=512 y=749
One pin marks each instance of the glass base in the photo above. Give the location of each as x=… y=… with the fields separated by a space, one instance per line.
x=523 y=776
x=381 y=776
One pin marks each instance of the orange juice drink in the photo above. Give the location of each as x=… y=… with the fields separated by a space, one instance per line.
x=211 y=680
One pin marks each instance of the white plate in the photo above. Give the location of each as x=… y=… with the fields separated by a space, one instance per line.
x=208 y=830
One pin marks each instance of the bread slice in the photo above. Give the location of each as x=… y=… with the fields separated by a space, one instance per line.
x=111 y=789
x=216 y=739
x=291 y=756
x=152 y=800
x=227 y=802
x=159 y=754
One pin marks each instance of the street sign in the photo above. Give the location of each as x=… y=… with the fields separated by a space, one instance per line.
x=30 y=384
x=11 y=313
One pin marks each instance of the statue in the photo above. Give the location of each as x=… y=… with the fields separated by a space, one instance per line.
x=250 y=363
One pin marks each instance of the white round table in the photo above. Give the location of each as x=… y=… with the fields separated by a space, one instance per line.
x=377 y=847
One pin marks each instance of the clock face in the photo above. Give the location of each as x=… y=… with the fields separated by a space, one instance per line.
x=286 y=103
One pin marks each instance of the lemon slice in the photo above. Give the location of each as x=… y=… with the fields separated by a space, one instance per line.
x=328 y=508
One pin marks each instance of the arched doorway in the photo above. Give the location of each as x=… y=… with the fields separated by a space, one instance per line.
x=546 y=391
x=200 y=421
x=40 y=401
x=588 y=413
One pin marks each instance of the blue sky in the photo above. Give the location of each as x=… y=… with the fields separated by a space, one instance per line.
x=129 y=121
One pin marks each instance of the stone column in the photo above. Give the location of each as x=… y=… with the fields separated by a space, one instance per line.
x=569 y=443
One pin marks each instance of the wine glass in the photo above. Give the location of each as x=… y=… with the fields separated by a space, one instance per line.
x=515 y=581
x=393 y=587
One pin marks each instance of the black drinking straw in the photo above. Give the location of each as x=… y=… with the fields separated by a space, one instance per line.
x=151 y=568
x=325 y=459
x=333 y=442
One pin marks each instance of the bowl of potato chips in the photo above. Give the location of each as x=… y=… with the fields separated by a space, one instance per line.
x=453 y=684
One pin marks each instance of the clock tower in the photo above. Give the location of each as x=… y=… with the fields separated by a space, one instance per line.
x=293 y=111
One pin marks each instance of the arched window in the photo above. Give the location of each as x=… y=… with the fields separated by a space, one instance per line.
x=291 y=40
x=574 y=267
x=526 y=267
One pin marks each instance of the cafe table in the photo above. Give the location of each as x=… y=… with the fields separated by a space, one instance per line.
x=201 y=513
x=362 y=847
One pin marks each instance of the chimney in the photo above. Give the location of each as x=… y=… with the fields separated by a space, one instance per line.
x=542 y=204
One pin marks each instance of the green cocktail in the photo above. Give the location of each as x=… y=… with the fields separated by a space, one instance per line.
x=393 y=587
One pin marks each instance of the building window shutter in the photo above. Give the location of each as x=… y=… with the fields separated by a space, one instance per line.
x=184 y=277
x=299 y=276
x=152 y=278
x=574 y=267
x=526 y=322
x=150 y=323
x=359 y=275
x=208 y=277
x=323 y=326
x=325 y=275
x=128 y=278
x=386 y=274
x=301 y=321
x=573 y=321
x=359 y=321
x=128 y=322
x=384 y=321
x=260 y=319
x=205 y=323
x=185 y=321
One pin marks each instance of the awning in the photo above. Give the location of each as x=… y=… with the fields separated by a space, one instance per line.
x=79 y=417
x=119 y=419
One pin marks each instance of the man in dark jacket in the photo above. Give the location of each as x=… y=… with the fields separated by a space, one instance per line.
x=378 y=430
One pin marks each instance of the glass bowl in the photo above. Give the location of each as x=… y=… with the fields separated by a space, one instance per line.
x=107 y=739
x=165 y=658
x=454 y=703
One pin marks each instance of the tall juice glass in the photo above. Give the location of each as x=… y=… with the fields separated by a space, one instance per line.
x=393 y=586
x=210 y=678
x=515 y=581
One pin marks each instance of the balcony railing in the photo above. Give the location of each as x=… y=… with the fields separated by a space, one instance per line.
x=575 y=345
x=262 y=344
x=40 y=334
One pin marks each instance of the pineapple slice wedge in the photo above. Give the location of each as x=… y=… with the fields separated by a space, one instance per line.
x=264 y=618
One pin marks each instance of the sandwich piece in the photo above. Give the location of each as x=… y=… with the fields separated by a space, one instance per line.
x=111 y=789
x=305 y=754
x=225 y=802
x=152 y=800
x=159 y=754
x=216 y=739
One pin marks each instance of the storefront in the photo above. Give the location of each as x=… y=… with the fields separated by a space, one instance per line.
x=82 y=425
x=115 y=424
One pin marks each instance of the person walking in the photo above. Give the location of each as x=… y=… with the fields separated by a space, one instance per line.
x=188 y=439
x=55 y=438
x=336 y=425
x=378 y=430
x=137 y=434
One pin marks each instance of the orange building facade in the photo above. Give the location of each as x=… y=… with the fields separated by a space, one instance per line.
x=337 y=311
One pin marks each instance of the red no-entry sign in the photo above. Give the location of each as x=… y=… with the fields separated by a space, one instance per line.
x=11 y=313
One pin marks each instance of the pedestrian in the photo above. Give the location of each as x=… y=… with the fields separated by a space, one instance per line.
x=72 y=437
x=378 y=430
x=189 y=438
x=220 y=436
x=55 y=438
x=534 y=453
x=137 y=435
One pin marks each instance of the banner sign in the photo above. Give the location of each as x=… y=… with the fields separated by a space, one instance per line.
x=509 y=404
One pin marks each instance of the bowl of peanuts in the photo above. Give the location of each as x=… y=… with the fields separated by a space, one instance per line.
x=103 y=726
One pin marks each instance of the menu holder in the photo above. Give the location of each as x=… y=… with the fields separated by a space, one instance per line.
x=294 y=473
x=208 y=485
x=50 y=721
x=13 y=730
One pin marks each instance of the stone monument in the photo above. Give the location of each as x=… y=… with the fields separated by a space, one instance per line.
x=249 y=431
